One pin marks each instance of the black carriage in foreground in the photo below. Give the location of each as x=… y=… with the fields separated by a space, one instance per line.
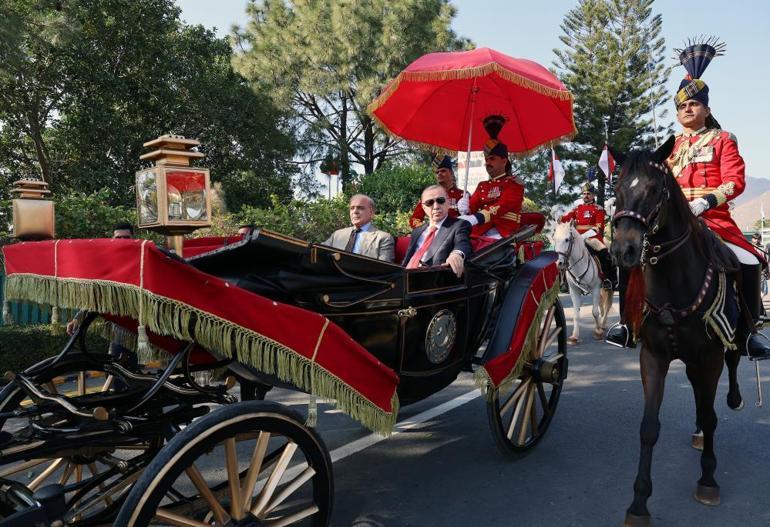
x=89 y=439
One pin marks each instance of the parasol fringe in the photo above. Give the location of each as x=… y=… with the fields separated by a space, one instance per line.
x=481 y=377
x=452 y=152
x=223 y=338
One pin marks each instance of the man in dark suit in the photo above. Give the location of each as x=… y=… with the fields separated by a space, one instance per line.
x=441 y=240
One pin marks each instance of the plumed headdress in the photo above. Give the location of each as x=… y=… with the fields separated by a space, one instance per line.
x=493 y=147
x=695 y=58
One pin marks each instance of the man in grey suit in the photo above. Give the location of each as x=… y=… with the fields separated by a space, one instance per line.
x=441 y=240
x=363 y=237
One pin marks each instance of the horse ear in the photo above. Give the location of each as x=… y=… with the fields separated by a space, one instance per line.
x=664 y=150
x=617 y=155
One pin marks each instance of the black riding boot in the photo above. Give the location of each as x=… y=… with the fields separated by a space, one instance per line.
x=606 y=263
x=756 y=346
x=620 y=334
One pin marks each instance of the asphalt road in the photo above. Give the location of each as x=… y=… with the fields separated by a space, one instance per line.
x=445 y=469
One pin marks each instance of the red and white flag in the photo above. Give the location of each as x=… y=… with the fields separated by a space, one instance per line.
x=606 y=163
x=555 y=171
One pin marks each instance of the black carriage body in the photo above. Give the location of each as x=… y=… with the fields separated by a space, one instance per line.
x=392 y=312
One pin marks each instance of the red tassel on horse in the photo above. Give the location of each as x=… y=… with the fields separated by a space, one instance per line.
x=633 y=311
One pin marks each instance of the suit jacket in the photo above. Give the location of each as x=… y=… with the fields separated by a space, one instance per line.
x=374 y=243
x=454 y=234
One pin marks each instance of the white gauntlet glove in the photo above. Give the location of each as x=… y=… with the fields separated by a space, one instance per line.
x=699 y=206
x=464 y=205
x=470 y=218
x=588 y=234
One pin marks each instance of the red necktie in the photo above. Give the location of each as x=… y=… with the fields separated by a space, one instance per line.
x=414 y=261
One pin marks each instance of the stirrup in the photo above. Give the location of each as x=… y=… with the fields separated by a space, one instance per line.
x=761 y=352
x=619 y=335
x=607 y=284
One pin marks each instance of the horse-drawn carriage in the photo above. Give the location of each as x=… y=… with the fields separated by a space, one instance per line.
x=89 y=439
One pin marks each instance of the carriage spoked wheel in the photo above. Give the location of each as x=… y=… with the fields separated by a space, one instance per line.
x=74 y=377
x=519 y=412
x=249 y=463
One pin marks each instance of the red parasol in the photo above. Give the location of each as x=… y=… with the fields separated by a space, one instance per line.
x=435 y=99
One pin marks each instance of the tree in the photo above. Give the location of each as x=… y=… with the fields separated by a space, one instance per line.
x=613 y=65
x=87 y=82
x=327 y=60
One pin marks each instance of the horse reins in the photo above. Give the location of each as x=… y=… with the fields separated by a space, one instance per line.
x=569 y=267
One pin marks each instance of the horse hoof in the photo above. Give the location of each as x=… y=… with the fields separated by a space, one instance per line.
x=737 y=407
x=598 y=334
x=632 y=520
x=707 y=495
x=572 y=340
x=697 y=441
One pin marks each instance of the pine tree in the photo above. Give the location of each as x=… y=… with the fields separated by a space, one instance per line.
x=613 y=63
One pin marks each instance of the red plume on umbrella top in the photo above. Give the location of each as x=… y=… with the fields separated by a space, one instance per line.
x=435 y=99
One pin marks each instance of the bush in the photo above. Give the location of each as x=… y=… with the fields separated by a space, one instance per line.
x=81 y=215
x=396 y=188
x=23 y=346
x=313 y=221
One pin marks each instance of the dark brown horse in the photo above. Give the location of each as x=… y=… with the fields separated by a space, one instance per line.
x=678 y=273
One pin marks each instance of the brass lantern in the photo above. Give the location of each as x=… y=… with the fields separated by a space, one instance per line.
x=33 y=215
x=172 y=197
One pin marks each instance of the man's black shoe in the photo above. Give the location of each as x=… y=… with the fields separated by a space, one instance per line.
x=620 y=336
x=758 y=347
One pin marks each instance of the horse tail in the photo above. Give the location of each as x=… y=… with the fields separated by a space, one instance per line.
x=634 y=300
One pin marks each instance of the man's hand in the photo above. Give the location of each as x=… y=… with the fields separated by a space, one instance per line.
x=470 y=218
x=72 y=326
x=457 y=263
x=464 y=205
x=699 y=206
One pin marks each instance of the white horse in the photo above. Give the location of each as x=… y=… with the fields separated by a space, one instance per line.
x=583 y=278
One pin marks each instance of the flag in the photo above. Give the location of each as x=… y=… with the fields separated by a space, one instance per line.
x=606 y=163
x=555 y=171
x=591 y=174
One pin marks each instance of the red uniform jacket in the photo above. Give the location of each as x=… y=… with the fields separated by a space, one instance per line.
x=708 y=163
x=587 y=217
x=418 y=216
x=497 y=203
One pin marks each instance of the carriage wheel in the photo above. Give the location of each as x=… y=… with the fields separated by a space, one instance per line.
x=520 y=411
x=249 y=463
x=75 y=376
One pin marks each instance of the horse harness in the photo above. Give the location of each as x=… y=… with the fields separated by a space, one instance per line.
x=667 y=314
x=566 y=256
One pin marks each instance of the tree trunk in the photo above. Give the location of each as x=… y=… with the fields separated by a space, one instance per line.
x=344 y=158
x=35 y=133
x=368 y=145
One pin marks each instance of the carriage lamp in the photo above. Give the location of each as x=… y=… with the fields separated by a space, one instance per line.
x=33 y=215
x=172 y=197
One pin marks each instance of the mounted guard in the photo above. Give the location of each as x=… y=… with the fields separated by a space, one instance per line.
x=589 y=218
x=709 y=169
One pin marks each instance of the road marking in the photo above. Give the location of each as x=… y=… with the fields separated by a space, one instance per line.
x=408 y=424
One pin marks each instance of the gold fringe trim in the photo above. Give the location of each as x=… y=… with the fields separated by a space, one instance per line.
x=709 y=319
x=481 y=377
x=165 y=316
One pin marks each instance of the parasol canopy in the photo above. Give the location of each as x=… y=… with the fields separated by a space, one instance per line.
x=440 y=100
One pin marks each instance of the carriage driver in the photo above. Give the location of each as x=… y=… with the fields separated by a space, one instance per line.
x=706 y=164
x=445 y=176
x=589 y=222
x=495 y=206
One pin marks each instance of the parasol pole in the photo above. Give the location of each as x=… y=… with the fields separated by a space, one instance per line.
x=474 y=91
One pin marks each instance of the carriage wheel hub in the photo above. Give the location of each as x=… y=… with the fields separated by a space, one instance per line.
x=545 y=371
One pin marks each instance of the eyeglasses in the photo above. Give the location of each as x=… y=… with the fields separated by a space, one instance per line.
x=430 y=202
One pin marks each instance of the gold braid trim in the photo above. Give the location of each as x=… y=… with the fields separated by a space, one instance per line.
x=709 y=318
x=482 y=379
x=683 y=156
x=724 y=192
x=165 y=316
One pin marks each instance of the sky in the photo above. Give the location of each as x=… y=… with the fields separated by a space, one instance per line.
x=531 y=30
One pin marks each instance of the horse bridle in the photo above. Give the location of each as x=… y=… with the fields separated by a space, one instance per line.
x=652 y=224
x=566 y=259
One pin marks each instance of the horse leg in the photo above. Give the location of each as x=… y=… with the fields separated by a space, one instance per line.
x=596 y=311
x=654 y=368
x=576 y=301
x=704 y=377
x=606 y=305
x=734 y=399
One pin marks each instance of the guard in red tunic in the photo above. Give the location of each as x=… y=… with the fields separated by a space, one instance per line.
x=495 y=206
x=710 y=170
x=589 y=221
x=445 y=176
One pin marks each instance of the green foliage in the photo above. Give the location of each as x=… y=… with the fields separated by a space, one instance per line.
x=23 y=346
x=608 y=47
x=84 y=84
x=81 y=215
x=313 y=221
x=327 y=61
x=396 y=187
